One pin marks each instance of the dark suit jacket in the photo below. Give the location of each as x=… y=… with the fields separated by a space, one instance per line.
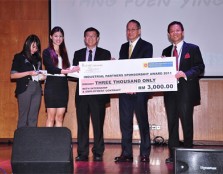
x=21 y=64
x=48 y=63
x=191 y=63
x=100 y=54
x=143 y=49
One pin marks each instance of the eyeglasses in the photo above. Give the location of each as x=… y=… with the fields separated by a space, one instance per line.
x=132 y=30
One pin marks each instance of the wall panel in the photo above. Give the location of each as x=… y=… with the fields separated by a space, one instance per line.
x=18 y=19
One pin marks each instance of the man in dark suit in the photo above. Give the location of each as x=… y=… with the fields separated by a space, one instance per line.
x=180 y=104
x=90 y=105
x=134 y=102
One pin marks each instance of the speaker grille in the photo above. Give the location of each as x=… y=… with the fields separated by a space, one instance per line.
x=42 y=150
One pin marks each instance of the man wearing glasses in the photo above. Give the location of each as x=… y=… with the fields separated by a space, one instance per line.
x=130 y=103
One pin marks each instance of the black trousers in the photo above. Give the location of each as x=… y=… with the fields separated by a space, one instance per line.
x=178 y=108
x=90 y=107
x=128 y=105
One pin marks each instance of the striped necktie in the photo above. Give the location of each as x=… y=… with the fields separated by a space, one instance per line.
x=90 y=55
x=130 y=50
x=175 y=54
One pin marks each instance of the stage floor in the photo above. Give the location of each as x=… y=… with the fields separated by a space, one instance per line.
x=156 y=165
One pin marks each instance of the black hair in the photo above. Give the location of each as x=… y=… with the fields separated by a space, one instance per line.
x=62 y=49
x=92 y=29
x=26 y=51
x=175 y=23
x=136 y=22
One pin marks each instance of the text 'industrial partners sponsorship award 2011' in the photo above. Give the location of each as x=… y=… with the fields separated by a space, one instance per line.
x=127 y=76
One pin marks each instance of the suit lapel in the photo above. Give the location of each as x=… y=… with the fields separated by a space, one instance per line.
x=83 y=55
x=169 y=51
x=184 y=51
x=137 y=47
x=97 y=54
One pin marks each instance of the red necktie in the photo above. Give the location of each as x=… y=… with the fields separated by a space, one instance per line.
x=175 y=54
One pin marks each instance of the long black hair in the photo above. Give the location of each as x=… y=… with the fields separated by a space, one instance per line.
x=26 y=51
x=62 y=49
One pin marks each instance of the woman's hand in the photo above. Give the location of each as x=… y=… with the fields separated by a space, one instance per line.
x=75 y=69
x=70 y=70
x=33 y=73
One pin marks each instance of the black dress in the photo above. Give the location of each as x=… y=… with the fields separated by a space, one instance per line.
x=56 y=86
x=56 y=92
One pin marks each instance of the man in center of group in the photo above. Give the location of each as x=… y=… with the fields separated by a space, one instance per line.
x=90 y=105
x=134 y=102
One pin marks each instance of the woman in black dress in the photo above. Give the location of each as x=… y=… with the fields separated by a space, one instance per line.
x=57 y=64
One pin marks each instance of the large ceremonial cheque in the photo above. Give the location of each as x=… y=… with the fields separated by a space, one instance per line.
x=123 y=76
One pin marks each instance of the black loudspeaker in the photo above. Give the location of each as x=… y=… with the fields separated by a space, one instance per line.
x=42 y=150
x=198 y=161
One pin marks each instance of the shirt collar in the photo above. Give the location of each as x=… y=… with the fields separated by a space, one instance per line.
x=134 y=43
x=93 y=49
x=179 y=45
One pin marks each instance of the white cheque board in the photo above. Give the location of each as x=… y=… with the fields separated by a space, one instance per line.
x=127 y=75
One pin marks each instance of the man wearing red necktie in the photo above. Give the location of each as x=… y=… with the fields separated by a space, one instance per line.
x=180 y=104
